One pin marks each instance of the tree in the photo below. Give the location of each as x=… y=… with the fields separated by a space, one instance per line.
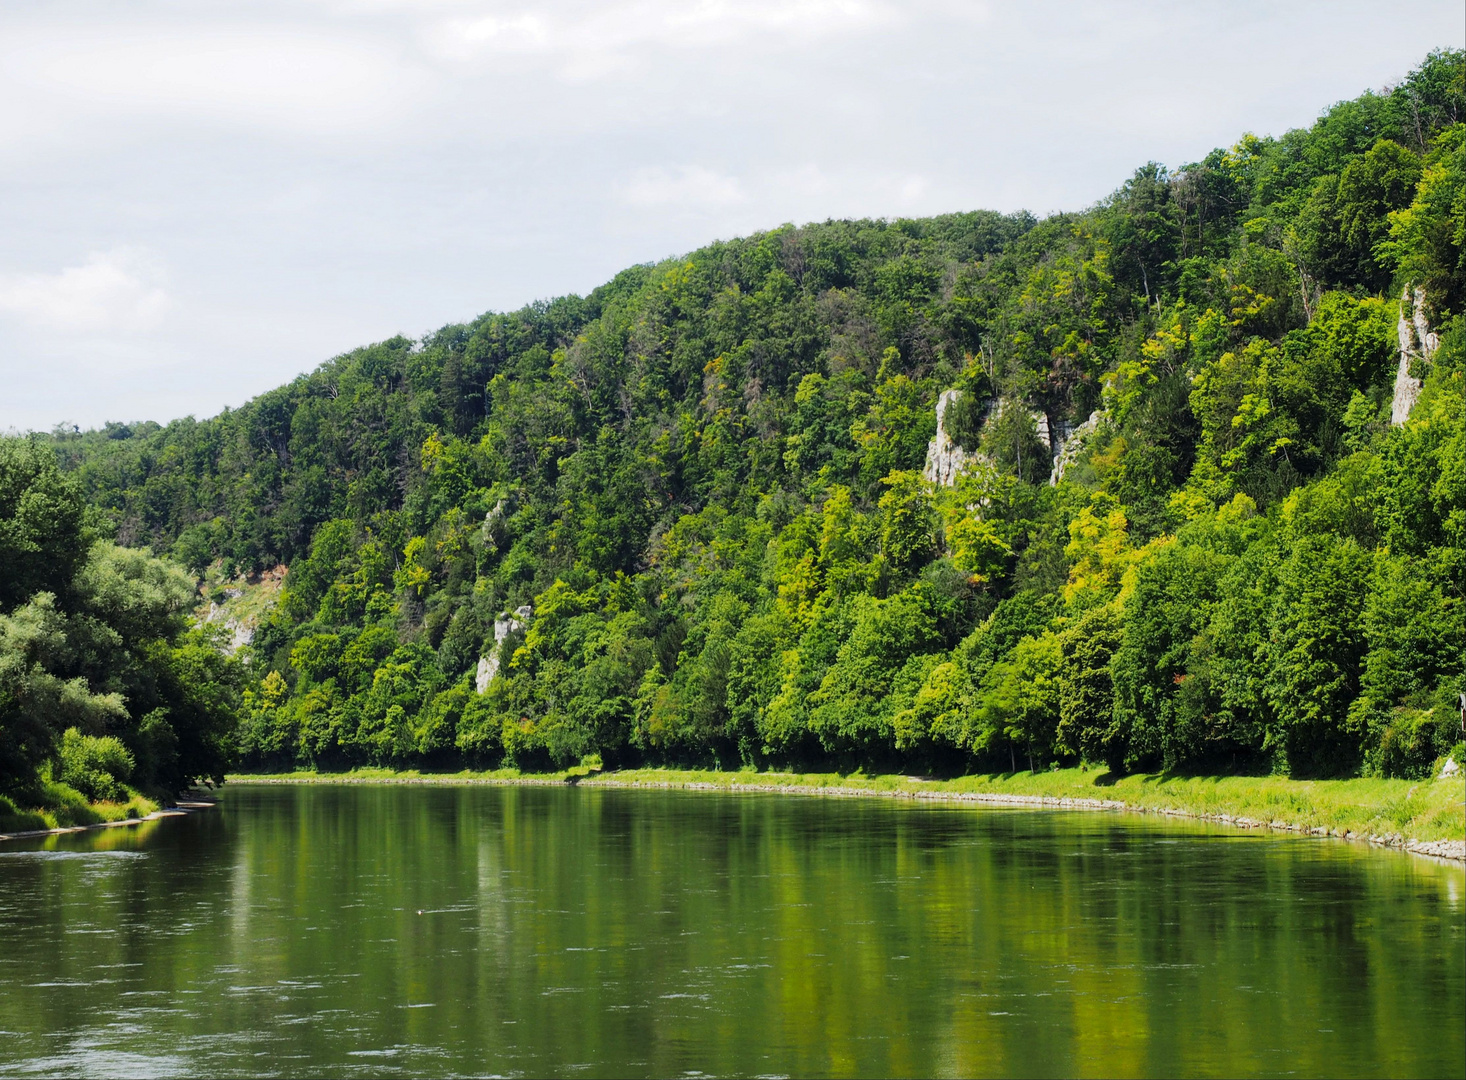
x=1315 y=653
x=42 y=537
x=97 y=640
x=702 y=478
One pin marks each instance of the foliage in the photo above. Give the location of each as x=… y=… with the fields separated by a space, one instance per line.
x=704 y=479
x=98 y=767
x=102 y=681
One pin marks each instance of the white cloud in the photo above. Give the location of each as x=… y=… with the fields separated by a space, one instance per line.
x=588 y=41
x=319 y=173
x=687 y=186
x=465 y=37
x=117 y=291
x=286 y=78
x=718 y=22
x=913 y=188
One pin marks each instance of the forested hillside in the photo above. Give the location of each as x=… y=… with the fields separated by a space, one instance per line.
x=705 y=483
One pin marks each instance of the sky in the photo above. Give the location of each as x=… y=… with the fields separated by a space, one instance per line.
x=201 y=200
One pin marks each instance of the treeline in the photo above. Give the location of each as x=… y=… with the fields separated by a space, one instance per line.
x=105 y=689
x=705 y=479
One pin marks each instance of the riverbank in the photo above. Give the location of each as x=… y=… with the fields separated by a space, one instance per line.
x=68 y=809
x=28 y=824
x=1423 y=816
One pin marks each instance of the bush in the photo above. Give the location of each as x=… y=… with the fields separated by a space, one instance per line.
x=1412 y=742
x=96 y=766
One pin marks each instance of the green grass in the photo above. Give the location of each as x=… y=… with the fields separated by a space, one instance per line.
x=1414 y=810
x=63 y=807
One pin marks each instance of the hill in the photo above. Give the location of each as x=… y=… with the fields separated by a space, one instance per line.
x=1197 y=500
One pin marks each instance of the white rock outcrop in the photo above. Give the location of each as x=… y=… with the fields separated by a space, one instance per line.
x=242 y=620
x=945 y=460
x=1041 y=426
x=1070 y=442
x=241 y=631
x=488 y=666
x=1417 y=342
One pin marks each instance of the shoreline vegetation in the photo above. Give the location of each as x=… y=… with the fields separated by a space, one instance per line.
x=178 y=809
x=1423 y=817
x=51 y=821
x=70 y=810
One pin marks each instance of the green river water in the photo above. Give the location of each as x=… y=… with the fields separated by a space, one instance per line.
x=439 y=931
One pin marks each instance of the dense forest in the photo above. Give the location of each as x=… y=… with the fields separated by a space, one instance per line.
x=703 y=515
x=106 y=686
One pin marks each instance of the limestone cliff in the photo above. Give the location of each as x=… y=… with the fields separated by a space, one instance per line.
x=945 y=460
x=1417 y=343
x=239 y=604
x=488 y=666
x=1070 y=442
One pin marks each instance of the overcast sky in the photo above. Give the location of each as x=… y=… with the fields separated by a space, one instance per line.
x=200 y=200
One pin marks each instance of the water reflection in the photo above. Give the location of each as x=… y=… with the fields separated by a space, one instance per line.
x=457 y=931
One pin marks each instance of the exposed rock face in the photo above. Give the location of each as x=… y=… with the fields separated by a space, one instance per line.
x=945 y=460
x=493 y=517
x=1417 y=342
x=488 y=666
x=1045 y=434
x=1070 y=442
x=246 y=603
x=1055 y=436
x=241 y=632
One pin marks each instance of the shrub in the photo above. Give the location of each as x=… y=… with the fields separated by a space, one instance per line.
x=1412 y=741
x=96 y=766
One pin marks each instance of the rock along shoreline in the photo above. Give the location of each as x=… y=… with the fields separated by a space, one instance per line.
x=1451 y=850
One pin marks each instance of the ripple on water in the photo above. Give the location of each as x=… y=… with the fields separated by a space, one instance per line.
x=88 y=1060
x=71 y=856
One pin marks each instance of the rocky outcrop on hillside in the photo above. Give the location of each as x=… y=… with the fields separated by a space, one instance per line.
x=1418 y=344
x=1070 y=442
x=488 y=666
x=240 y=604
x=945 y=460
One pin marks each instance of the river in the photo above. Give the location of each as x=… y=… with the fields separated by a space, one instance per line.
x=338 y=930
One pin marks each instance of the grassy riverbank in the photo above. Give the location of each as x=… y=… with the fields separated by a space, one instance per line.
x=67 y=808
x=1417 y=810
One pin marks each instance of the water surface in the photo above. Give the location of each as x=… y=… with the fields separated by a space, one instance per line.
x=342 y=930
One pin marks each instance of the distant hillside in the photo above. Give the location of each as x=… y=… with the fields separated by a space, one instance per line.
x=702 y=488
